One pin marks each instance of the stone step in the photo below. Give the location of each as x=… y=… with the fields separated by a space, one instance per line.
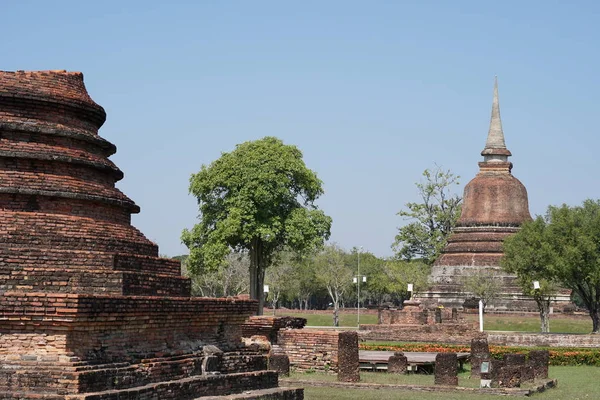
x=32 y=258
x=29 y=395
x=280 y=393
x=190 y=388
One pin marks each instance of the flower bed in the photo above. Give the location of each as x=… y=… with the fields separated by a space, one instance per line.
x=558 y=356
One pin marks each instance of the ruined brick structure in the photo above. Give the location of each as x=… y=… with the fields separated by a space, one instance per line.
x=495 y=204
x=413 y=323
x=87 y=308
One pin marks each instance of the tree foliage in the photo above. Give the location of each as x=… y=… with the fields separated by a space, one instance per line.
x=258 y=198
x=527 y=254
x=334 y=275
x=432 y=219
x=229 y=279
x=278 y=277
x=484 y=285
x=562 y=247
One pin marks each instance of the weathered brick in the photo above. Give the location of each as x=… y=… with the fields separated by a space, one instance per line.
x=88 y=309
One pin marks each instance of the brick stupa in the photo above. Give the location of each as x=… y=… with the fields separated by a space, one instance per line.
x=87 y=308
x=495 y=204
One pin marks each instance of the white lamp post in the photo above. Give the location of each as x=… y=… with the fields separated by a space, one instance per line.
x=480 y=315
x=357 y=280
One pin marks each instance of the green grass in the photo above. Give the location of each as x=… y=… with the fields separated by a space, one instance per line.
x=512 y=323
x=516 y=323
x=388 y=379
x=575 y=383
x=346 y=319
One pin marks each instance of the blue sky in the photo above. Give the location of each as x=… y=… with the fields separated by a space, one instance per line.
x=372 y=92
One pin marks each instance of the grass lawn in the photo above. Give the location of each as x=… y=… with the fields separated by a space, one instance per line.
x=531 y=323
x=492 y=322
x=574 y=383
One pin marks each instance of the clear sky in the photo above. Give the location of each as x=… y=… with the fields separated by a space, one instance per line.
x=372 y=92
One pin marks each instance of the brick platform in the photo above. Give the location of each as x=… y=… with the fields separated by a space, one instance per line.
x=88 y=310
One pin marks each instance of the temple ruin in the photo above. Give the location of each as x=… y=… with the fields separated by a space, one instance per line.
x=88 y=310
x=495 y=204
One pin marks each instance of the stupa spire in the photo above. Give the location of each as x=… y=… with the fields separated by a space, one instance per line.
x=495 y=147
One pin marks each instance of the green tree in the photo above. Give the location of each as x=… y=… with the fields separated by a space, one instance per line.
x=567 y=252
x=334 y=275
x=433 y=218
x=401 y=273
x=484 y=285
x=303 y=281
x=229 y=279
x=278 y=277
x=527 y=254
x=258 y=198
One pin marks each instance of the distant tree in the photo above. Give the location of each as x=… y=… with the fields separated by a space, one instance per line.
x=527 y=255
x=278 y=277
x=334 y=275
x=378 y=288
x=374 y=289
x=484 y=285
x=229 y=279
x=564 y=248
x=432 y=219
x=258 y=198
x=303 y=281
x=404 y=272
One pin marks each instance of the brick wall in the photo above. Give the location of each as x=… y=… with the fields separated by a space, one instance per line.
x=459 y=334
x=310 y=349
x=543 y=339
x=269 y=326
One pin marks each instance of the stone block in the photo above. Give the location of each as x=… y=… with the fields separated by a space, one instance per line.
x=479 y=352
x=446 y=369
x=397 y=364
x=495 y=370
x=438 y=315
x=280 y=363
x=539 y=360
x=527 y=373
x=514 y=359
x=454 y=314
x=348 y=364
x=510 y=376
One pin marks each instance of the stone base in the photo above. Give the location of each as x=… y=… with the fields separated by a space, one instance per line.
x=252 y=385
x=282 y=393
x=68 y=347
x=448 y=290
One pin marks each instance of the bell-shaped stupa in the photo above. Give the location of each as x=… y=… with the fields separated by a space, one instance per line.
x=494 y=206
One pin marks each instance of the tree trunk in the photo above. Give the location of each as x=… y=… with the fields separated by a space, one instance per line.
x=336 y=316
x=595 y=314
x=545 y=317
x=253 y=276
x=257 y=276
x=544 y=309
